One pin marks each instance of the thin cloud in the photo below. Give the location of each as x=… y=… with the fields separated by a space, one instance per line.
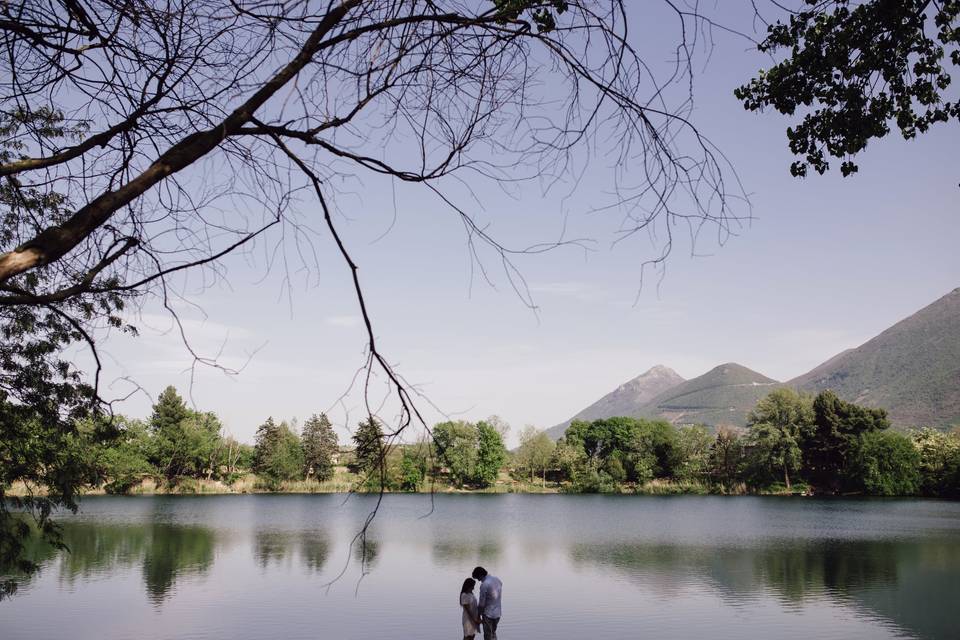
x=343 y=321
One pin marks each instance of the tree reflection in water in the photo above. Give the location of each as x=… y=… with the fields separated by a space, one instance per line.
x=465 y=553
x=164 y=553
x=314 y=549
x=271 y=546
x=175 y=551
x=366 y=551
x=888 y=579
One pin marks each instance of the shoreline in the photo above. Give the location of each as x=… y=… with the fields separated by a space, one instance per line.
x=249 y=486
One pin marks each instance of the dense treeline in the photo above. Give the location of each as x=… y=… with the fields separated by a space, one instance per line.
x=793 y=443
x=177 y=446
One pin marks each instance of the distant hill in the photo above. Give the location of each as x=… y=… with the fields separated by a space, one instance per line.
x=627 y=399
x=722 y=396
x=912 y=369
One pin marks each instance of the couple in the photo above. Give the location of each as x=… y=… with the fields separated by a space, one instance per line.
x=486 y=612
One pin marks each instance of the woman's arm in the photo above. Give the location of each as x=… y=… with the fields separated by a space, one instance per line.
x=476 y=620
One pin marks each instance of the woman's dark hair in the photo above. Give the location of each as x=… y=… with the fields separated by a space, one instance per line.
x=468 y=585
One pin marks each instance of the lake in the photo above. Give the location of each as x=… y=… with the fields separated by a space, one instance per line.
x=573 y=567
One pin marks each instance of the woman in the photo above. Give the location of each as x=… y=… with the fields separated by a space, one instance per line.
x=468 y=602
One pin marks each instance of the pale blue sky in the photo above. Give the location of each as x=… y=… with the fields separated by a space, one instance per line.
x=826 y=264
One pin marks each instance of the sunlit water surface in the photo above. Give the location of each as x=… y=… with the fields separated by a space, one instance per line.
x=573 y=567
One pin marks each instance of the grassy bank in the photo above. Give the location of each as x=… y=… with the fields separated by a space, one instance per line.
x=344 y=482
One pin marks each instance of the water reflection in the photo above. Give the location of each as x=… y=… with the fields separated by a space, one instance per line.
x=164 y=553
x=893 y=580
x=366 y=551
x=461 y=552
x=175 y=551
x=271 y=547
x=314 y=549
x=258 y=566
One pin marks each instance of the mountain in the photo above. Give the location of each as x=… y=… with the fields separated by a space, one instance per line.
x=627 y=399
x=912 y=369
x=722 y=396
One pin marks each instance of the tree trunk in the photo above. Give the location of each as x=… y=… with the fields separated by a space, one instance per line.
x=52 y=243
x=786 y=477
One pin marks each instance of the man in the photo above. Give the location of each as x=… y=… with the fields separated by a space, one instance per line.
x=489 y=603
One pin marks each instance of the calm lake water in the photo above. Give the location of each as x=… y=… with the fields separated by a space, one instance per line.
x=601 y=567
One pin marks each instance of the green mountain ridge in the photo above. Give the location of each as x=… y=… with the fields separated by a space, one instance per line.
x=721 y=397
x=911 y=369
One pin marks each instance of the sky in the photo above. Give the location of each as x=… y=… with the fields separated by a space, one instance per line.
x=825 y=264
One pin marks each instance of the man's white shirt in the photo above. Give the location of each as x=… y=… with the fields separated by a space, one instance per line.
x=490 y=591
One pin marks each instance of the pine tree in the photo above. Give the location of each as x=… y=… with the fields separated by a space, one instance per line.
x=169 y=411
x=169 y=452
x=369 y=445
x=278 y=455
x=266 y=438
x=319 y=446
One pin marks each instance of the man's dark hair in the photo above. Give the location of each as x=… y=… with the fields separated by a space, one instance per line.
x=479 y=573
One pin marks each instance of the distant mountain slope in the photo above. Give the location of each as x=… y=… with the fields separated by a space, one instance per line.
x=627 y=399
x=912 y=369
x=722 y=396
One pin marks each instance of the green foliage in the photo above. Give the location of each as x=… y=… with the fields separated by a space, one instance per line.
x=726 y=458
x=319 y=446
x=456 y=444
x=472 y=454
x=413 y=467
x=370 y=456
x=233 y=458
x=169 y=412
x=491 y=454
x=787 y=410
x=658 y=442
x=613 y=467
x=855 y=69
x=792 y=440
x=48 y=458
x=535 y=454
x=43 y=397
x=590 y=479
x=185 y=442
x=127 y=460
x=693 y=452
x=278 y=455
x=886 y=463
x=568 y=458
x=541 y=11
x=838 y=427
x=778 y=426
x=773 y=455
x=265 y=439
x=643 y=449
x=939 y=463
